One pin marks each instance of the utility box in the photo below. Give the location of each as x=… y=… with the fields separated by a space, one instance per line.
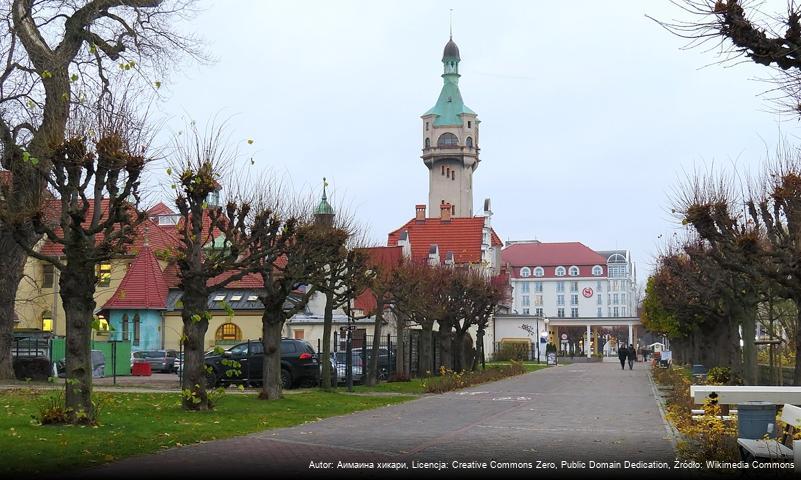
x=756 y=419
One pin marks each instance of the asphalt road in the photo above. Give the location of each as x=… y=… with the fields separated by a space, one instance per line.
x=574 y=413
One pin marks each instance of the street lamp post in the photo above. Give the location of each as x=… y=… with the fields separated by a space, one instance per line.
x=537 y=339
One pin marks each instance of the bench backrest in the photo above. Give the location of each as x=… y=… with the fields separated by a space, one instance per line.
x=730 y=395
x=791 y=415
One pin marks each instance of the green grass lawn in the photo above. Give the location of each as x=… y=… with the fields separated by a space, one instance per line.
x=137 y=423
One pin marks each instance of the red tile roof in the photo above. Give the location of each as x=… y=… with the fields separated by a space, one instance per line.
x=462 y=236
x=551 y=255
x=386 y=258
x=143 y=285
x=160 y=209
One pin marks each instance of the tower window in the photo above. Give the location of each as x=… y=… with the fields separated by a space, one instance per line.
x=453 y=209
x=428 y=143
x=448 y=171
x=453 y=174
x=469 y=124
x=426 y=126
x=447 y=140
x=469 y=142
x=443 y=169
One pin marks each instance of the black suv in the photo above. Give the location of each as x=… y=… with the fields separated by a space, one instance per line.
x=299 y=364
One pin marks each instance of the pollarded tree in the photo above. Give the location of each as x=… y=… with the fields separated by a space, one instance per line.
x=478 y=304
x=95 y=189
x=412 y=288
x=382 y=261
x=62 y=59
x=746 y=30
x=215 y=246
x=293 y=261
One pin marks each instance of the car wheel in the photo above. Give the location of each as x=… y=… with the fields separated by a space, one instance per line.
x=286 y=380
x=211 y=380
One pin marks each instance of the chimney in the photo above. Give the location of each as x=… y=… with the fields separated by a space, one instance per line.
x=445 y=212
x=420 y=213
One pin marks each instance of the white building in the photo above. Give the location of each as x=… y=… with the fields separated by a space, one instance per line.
x=575 y=295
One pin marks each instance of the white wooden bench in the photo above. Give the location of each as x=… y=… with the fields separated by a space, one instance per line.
x=774 y=449
x=733 y=395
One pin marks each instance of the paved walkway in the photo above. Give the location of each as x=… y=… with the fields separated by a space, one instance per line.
x=577 y=412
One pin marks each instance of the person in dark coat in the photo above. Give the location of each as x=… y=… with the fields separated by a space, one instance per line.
x=631 y=354
x=622 y=354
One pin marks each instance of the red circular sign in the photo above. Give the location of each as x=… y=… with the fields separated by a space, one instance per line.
x=587 y=292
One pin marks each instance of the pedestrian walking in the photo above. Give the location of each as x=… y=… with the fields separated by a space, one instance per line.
x=631 y=354
x=622 y=353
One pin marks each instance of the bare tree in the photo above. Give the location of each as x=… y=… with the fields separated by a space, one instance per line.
x=743 y=29
x=93 y=217
x=293 y=262
x=412 y=288
x=215 y=245
x=59 y=57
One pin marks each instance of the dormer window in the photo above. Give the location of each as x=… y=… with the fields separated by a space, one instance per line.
x=573 y=271
x=213 y=199
x=560 y=271
x=525 y=272
x=539 y=272
x=597 y=270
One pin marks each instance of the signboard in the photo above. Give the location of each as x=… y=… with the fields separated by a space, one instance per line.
x=564 y=336
x=587 y=292
x=552 y=358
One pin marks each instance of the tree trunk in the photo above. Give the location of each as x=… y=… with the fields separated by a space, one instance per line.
x=479 y=352
x=425 y=355
x=445 y=341
x=372 y=363
x=77 y=295
x=401 y=345
x=328 y=320
x=196 y=323
x=797 y=369
x=459 y=350
x=749 y=358
x=12 y=263
x=272 y=324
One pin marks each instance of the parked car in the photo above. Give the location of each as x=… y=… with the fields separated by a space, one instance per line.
x=159 y=360
x=179 y=363
x=299 y=364
x=98 y=365
x=342 y=366
x=383 y=360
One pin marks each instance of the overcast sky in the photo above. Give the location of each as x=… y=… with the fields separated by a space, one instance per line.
x=591 y=113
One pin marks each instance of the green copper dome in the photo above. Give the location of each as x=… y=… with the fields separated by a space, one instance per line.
x=324 y=208
x=450 y=106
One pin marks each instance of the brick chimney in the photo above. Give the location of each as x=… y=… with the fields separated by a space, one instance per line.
x=445 y=212
x=420 y=213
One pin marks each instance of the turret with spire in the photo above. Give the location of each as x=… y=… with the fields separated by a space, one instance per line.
x=450 y=142
x=324 y=213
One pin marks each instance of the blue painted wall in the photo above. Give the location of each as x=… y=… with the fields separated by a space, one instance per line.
x=150 y=333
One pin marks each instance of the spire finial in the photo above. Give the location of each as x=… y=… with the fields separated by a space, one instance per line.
x=325 y=184
x=451 y=24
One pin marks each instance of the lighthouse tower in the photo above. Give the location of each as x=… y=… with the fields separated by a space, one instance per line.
x=450 y=143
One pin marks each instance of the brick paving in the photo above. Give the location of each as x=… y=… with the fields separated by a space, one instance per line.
x=578 y=412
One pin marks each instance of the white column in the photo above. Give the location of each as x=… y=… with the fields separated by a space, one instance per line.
x=631 y=335
x=587 y=344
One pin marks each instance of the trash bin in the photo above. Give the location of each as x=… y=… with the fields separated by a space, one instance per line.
x=755 y=419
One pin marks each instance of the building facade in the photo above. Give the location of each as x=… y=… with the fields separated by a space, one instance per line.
x=582 y=301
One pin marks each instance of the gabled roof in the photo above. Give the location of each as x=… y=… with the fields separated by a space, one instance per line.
x=143 y=285
x=160 y=209
x=460 y=235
